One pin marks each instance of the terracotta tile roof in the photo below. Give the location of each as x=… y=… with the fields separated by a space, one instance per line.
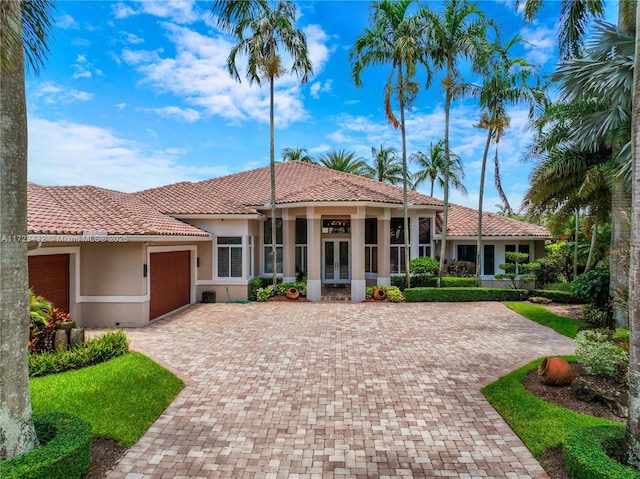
x=299 y=182
x=190 y=199
x=463 y=221
x=72 y=210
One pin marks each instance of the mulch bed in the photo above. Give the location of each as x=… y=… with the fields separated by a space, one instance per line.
x=105 y=454
x=552 y=460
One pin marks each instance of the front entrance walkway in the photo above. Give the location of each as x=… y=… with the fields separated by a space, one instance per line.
x=337 y=390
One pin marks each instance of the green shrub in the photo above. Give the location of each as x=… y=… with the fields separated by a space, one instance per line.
x=465 y=294
x=93 y=351
x=588 y=451
x=423 y=281
x=456 y=282
x=256 y=283
x=424 y=265
x=560 y=286
x=64 y=452
x=592 y=287
x=555 y=296
x=596 y=315
x=263 y=294
x=393 y=293
x=600 y=355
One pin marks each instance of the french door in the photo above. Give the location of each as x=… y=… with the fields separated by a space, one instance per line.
x=335 y=261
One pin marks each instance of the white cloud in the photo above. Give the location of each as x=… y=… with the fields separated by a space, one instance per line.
x=51 y=93
x=187 y=114
x=541 y=44
x=317 y=47
x=179 y=11
x=68 y=153
x=121 y=106
x=66 y=22
x=122 y=10
x=318 y=87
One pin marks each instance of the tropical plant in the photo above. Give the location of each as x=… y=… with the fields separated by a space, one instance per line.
x=269 y=28
x=505 y=82
x=297 y=154
x=515 y=269
x=424 y=265
x=25 y=27
x=457 y=33
x=387 y=167
x=395 y=38
x=431 y=167
x=345 y=161
x=593 y=287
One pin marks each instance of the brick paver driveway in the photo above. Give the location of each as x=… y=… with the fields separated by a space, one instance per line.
x=331 y=390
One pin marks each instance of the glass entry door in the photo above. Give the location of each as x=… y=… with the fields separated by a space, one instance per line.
x=335 y=261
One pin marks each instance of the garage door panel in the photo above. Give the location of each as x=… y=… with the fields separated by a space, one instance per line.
x=49 y=277
x=170 y=282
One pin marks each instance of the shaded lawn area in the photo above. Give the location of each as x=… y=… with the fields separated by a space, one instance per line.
x=540 y=424
x=121 y=397
x=566 y=326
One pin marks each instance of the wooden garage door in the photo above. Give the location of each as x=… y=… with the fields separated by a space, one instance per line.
x=49 y=277
x=170 y=282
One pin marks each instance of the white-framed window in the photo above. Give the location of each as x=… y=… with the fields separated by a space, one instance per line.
x=424 y=237
x=396 y=252
x=371 y=245
x=268 y=250
x=229 y=256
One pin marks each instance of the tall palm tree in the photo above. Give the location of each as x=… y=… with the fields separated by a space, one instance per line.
x=431 y=167
x=395 y=38
x=632 y=439
x=344 y=160
x=269 y=28
x=296 y=154
x=24 y=31
x=455 y=34
x=504 y=83
x=387 y=167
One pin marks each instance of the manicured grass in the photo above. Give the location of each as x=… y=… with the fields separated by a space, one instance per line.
x=566 y=326
x=120 y=398
x=540 y=425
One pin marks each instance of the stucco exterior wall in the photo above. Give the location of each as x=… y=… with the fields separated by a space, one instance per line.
x=111 y=269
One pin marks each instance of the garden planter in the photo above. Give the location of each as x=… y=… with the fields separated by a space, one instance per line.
x=65 y=325
x=379 y=294
x=293 y=293
x=556 y=372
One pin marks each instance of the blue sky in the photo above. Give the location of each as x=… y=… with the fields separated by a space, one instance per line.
x=136 y=95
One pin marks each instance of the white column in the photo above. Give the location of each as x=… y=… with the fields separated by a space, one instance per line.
x=414 y=235
x=314 y=255
x=288 y=247
x=358 y=281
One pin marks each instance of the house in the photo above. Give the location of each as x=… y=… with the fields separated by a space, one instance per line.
x=118 y=259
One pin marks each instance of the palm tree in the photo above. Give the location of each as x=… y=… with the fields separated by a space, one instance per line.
x=344 y=160
x=296 y=154
x=455 y=34
x=505 y=83
x=394 y=38
x=270 y=27
x=387 y=167
x=431 y=167
x=24 y=31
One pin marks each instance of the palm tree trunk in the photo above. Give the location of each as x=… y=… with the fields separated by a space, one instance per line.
x=480 y=198
x=632 y=439
x=445 y=199
x=575 y=245
x=17 y=433
x=496 y=172
x=272 y=158
x=592 y=246
x=405 y=203
x=433 y=180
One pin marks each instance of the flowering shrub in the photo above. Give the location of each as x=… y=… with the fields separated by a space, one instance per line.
x=600 y=355
x=40 y=326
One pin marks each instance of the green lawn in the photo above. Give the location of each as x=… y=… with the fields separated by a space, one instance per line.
x=566 y=326
x=540 y=425
x=120 y=398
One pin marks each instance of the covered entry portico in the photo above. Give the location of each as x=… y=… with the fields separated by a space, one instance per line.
x=346 y=245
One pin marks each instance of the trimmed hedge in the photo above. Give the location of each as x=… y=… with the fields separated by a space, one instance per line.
x=555 y=296
x=586 y=454
x=465 y=294
x=422 y=281
x=65 y=452
x=99 y=349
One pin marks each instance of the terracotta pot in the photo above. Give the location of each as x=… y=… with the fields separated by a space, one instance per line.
x=379 y=294
x=556 y=372
x=293 y=293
